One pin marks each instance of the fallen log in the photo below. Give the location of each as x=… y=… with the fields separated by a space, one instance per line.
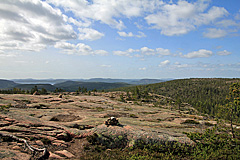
x=45 y=154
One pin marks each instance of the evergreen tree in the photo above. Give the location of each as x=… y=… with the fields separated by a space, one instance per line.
x=233 y=105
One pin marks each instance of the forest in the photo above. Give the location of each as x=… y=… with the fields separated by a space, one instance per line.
x=207 y=95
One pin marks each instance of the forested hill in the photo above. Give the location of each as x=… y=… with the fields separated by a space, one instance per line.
x=6 y=84
x=204 y=94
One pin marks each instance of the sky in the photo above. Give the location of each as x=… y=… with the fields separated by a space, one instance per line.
x=129 y=39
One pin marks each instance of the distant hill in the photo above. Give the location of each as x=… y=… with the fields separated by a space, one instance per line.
x=129 y=81
x=104 y=80
x=48 y=87
x=146 y=81
x=72 y=86
x=204 y=94
x=5 y=84
x=108 y=80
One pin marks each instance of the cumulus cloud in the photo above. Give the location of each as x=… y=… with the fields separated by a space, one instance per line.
x=78 y=49
x=179 y=65
x=215 y=33
x=183 y=17
x=199 y=54
x=89 y=34
x=224 y=53
x=105 y=66
x=227 y=23
x=124 y=34
x=143 y=69
x=144 y=51
x=130 y=34
x=122 y=53
x=107 y=12
x=164 y=63
x=31 y=25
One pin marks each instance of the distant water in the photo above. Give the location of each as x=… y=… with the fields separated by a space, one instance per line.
x=36 y=83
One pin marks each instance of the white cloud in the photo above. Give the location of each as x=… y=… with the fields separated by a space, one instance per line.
x=105 y=66
x=124 y=34
x=7 y=54
x=78 y=49
x=108 y=12
x=31 y=25
x=183 y=17
x=89 y=34
x=122 y=53
x=215 y=33
x=163 y=52
x=164 y=63
x=179 y=65
x=147 y=51
x=224 y=53
x=227 y=23
x=199 y=54
x=143 y=69
x=140 y=35
x=144 y=51
x=130 y=34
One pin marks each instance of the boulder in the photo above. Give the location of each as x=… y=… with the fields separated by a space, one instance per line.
x=112 y=121
x=65 y=153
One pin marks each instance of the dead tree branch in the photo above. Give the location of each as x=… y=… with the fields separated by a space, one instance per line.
x=45 y=154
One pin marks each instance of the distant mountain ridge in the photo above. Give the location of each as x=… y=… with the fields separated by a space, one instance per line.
x=4 y=84
x=74 y=84
x=105 y=80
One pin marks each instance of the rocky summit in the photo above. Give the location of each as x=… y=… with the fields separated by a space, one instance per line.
x=66 y=125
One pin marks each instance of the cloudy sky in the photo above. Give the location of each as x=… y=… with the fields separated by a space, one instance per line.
x=119 y=38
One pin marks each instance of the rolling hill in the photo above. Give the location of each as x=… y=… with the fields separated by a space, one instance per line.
x=5 y=84
x=204 y=94
x=48 y=87
x=72 y=86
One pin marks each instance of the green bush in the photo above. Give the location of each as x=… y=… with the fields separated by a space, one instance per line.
x=190 y=121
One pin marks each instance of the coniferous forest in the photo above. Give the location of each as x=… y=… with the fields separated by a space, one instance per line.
x=207 y=95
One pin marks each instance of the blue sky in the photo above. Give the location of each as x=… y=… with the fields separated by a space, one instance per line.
x=119 y=38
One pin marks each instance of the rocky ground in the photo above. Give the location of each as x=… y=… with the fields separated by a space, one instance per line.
x=64 y=124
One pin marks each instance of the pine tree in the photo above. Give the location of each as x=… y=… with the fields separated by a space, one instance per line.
x=233 y=105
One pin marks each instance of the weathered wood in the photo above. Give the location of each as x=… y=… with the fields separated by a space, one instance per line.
x=45 y=154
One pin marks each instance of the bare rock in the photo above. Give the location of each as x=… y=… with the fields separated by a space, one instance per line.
x=10 y=120
x=65 y=153
x=60 y=143
x=16 y=148
x=60 y=96
x=39 y=143
x=54 y=156
x=112 y=121
x=64 y=136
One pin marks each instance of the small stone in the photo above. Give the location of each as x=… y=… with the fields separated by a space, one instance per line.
x=52 y=155
x=9 y=119
x=16 y=148
x=65 y=153
x=59 y=144
x=63 y=136
x=39 y=143
x=59 y=141
x=60 y=96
